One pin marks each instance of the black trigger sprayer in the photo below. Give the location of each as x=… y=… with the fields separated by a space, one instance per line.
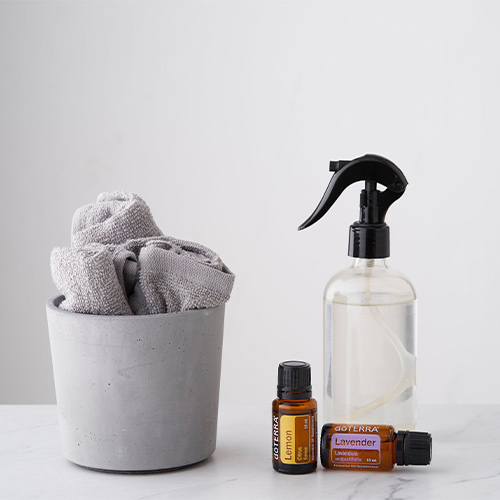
x=369 y=237
x=369 y=309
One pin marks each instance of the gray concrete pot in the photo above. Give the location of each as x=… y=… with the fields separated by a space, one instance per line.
x=136 y=393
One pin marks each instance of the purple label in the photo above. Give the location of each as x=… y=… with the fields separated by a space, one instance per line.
x=355 y=442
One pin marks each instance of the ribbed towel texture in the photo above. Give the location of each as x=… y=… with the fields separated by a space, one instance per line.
x=120 y=263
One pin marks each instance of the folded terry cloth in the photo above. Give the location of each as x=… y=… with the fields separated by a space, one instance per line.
x=173 y=275
x=116 y=217
x=130 y=275
x=88 y=280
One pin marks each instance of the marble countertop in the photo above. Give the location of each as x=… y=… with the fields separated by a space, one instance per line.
x=465 y=463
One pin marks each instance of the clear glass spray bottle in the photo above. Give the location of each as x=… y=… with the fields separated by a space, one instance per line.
x=369 y=309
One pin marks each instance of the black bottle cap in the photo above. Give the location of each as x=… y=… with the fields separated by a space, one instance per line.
x=369 y=241
x=324 y=449
x=294 y=380
x=413 y=448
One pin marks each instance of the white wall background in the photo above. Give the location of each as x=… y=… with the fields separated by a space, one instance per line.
x=223 y=116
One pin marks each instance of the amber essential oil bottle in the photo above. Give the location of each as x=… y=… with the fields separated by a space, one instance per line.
x=294 y=420
x=377 y=447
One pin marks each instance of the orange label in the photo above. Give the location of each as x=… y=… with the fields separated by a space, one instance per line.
x=295 y=439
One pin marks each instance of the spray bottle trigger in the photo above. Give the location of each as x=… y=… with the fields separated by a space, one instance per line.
x=372 y=169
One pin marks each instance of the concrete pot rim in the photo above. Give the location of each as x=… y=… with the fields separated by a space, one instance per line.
x=53 y=305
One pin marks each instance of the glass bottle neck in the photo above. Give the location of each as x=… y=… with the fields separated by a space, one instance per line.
x=369 y=263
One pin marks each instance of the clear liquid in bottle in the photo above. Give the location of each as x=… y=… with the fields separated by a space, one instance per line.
x=370 y=346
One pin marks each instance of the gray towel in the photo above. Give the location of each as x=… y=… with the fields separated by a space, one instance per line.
x=120 y=273
x=115 y=218
x=88 y=280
